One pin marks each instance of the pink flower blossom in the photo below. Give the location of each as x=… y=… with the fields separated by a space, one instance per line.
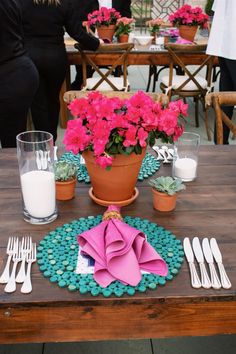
x=103 y=17
x=104 y=160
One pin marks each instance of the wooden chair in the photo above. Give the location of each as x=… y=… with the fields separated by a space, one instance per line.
x=191 y=84
x=71 y=95
x=217 y=100
x=105 y=81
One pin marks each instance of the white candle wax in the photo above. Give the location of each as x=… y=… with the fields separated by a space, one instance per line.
x=38 y=189
x=185 y=168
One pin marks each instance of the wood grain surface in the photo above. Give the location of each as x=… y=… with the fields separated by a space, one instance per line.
x=207 y=208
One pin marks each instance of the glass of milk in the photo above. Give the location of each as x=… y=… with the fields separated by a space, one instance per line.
x=35 y=154
x=185 y=159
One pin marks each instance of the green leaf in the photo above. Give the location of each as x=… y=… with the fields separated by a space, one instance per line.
x=138 y=149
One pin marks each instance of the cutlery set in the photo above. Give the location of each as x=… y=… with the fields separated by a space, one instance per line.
x=19 y=250
x=208 y=251
x=164 y=153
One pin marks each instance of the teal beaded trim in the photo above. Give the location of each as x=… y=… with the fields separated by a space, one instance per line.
x=57 y=257
x=149 y=166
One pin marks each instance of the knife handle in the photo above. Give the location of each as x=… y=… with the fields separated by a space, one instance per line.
x=206 y=283
x=215 y=281
x=226 y=284
x=195 y=281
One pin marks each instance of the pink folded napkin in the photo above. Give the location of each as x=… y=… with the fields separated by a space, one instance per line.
x=120 y=251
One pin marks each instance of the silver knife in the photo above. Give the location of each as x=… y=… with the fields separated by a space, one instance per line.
x=226 y=284
x=195 y=281
x=205 y=280
x=215 y=281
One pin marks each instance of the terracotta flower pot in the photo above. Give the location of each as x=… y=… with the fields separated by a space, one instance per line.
x=163 y=201
x=65 y=190
x=106 y=32
x=188 y=32
x=118 y=184
x=124 y=38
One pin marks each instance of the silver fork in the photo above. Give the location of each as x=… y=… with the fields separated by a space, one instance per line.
x=26 y=245
x=30 y=258
x=10 y=251
x=11 y=284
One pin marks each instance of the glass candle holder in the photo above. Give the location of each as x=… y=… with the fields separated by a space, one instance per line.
x=35 y=153
x=185 y=160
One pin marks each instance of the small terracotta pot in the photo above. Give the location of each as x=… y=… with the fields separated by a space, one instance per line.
x=106 y=32
x=124 y=38
x=188 y=32
x=163 y=201
x=65 y=190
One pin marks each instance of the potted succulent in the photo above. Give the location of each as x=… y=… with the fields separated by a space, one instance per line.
x=123 y=29
x=187 y=19
x=165 y=190
x=105 y=21
x=112 y=134
x=65 y=177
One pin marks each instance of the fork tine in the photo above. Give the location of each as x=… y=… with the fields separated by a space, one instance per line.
x=35 y=251
x=9 y=244
x=16 y=244
x=22 y=243
x=29 y=244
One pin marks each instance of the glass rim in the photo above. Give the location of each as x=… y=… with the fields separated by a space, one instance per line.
x=195 y=136
x=50 y=136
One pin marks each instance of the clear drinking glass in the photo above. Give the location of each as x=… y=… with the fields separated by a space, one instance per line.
x=35 y=153
x=185 y=158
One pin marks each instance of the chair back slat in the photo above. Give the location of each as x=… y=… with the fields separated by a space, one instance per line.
x=122 y=48
x=217 y=100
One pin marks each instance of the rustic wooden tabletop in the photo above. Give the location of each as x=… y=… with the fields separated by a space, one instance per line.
x=206 y=208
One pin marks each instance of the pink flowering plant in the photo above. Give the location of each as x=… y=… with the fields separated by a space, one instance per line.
x=189 y=16
x=154 y=25
x=109 y=125
x=124 y=26
x=103 y=17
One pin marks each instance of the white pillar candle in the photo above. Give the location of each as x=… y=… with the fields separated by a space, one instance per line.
x=185 y=168
x=38 y=189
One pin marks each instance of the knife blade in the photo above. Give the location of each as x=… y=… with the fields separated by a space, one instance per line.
x=197 y=249
x=195 y=281
x=215 y=282
x=226 y=284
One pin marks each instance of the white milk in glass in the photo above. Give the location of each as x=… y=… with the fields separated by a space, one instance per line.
x=185 y=168
x=38 y=189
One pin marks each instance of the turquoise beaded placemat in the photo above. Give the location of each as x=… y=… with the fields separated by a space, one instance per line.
x=57 y=257
x=149 y=166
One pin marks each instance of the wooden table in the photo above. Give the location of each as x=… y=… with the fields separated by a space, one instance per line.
x=206 y=208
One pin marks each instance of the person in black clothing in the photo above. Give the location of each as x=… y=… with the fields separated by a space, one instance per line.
x=18 y=75
x=84 y=7
x=44 y=23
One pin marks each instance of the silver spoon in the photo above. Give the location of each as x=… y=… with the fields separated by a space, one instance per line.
x=163 y=152
x=167 y=153
x=159 y=155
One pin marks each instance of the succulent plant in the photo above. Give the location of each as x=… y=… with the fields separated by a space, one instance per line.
x=64 y=171
x=167 y=184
